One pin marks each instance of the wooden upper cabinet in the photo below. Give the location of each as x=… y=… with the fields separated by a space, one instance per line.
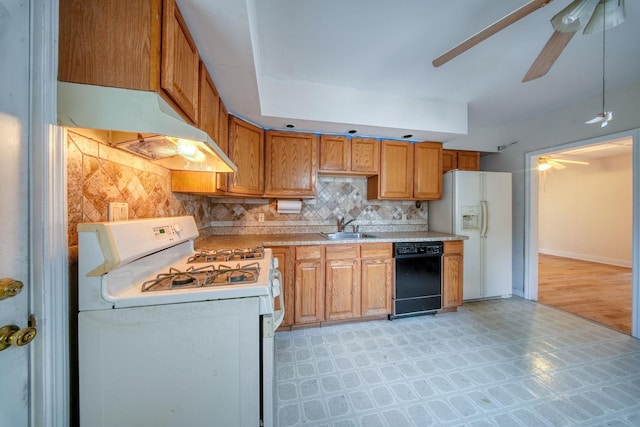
x=449 y=160
x=460 y=159
x=335 y=153
x=427 y=171
x=395 y=180
x=180 y=62
x=291 y=164
x=341 y=155
x=110 y=43
x=141 y=45
x=365 y=155
x=208 y=106
x=469 y=160
x=246 y=150
x=223 y=127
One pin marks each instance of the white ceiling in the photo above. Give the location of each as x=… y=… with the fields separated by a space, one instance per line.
x=336 y=65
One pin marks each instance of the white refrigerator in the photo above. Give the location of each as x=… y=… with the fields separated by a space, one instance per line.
x=478 y=205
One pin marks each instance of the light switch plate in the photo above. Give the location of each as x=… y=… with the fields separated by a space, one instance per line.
x=118 y=211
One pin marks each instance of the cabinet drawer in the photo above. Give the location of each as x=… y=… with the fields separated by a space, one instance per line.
x=376 y=250
x=308 y=252
x=341 y=252
x=453 y=246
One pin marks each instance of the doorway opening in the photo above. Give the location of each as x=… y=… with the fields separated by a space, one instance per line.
x=581 y=242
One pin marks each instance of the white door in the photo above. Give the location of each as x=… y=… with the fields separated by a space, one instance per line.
x=14 y=211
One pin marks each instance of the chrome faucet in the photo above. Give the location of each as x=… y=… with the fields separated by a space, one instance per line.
x=342 y=224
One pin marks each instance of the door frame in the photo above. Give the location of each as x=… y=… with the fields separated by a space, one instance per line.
x=49 y=293
x=531 y=219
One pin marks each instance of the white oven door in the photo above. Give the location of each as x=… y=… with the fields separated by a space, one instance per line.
x=194 y=364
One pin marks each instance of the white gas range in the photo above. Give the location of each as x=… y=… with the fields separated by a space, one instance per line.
x=170 y=336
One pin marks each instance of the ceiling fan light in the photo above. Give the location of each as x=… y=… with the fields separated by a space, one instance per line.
x=614 y=15
x=544 y=166
x=573 y=17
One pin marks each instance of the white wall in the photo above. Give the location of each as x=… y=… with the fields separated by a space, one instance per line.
x=553 y=129
x=585 y=212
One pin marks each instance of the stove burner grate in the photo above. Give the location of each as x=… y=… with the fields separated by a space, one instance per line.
x=226 y=255
x=201 y=277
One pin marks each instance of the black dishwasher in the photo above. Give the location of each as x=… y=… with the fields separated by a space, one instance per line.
x=418 y=288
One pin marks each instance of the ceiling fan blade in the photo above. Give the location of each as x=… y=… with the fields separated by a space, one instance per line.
x=575 y=162
x=514 y=16
x=548 y=55
x=556 y=165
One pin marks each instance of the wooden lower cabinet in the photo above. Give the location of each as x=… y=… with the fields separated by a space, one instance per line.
x=342 y=287
x=342 y=282
x=309 y=285
x=336 y=282
x=452 y=263
x=377 y=286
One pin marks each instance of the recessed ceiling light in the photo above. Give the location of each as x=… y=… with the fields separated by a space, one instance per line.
x=290 y=126
x=353 y=131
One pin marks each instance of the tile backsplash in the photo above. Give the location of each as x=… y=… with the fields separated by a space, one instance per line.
x=98 y=174
x=338 y=197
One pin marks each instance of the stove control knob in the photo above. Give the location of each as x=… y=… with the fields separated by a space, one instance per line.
x=177 y=228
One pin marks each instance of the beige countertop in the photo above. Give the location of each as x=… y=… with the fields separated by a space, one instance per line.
x=298 y=239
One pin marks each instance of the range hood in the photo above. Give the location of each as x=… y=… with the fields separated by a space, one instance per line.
x=155 y=130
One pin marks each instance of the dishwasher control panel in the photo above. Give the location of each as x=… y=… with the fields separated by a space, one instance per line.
x=418 y=248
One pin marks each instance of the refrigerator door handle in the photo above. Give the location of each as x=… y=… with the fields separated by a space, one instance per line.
x=485 y=218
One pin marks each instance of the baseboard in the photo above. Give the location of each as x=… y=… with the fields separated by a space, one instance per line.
x=583 y=257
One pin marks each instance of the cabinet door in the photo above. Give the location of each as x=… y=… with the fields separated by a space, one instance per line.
x=365 y=155
x=396 y=170
x=428 y=171
x=180 y=59
x=208 y=119
x=469 y=160
x=449 y=160
x=452 y=267
x=195 y=182
x=291 y=166
x=223 y=142
x=335 y=153
x=284 y=255
x=376 y=285
x=110 y=43
x=309 y=296
x=246 y=150
x=342 y=282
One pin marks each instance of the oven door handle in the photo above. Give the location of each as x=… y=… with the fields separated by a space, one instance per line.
x=278 y=315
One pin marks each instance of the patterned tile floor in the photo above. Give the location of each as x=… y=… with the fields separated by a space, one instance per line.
x=494 y=363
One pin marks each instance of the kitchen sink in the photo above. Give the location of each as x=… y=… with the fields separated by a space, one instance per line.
x=343 y=235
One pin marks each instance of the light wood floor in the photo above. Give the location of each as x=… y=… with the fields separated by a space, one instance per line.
x=598 y=292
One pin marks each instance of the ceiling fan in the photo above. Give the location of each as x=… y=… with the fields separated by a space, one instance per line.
x=545 y=163
x=593 y=15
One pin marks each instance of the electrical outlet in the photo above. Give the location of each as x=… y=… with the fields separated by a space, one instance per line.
x=404 y=216
x=118 y=211
x=261 y=217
